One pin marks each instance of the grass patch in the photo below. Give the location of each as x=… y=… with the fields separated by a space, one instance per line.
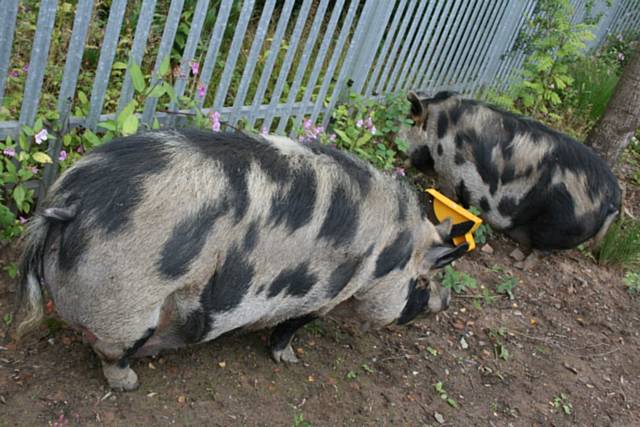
x=621 y=244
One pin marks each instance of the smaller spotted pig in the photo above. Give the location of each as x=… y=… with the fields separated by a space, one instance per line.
x=544 y=189
x=172 y=238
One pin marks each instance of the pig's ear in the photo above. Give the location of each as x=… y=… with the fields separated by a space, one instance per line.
x=440 y=255
x=418 y=111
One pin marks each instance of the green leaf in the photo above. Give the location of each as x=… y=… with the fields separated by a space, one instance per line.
x=93 y=139
x=137 y=78
x=363 y=139
x=41 y=157
x=19 y=195
x=168 y=89
x=343 y=136
x=130 y=125
x=108 y=125
x=118 y=65
x=158 y=91
x=37 y=126
x=23 y=142
x=164 y=66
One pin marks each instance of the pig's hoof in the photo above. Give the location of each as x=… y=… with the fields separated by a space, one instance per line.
x=121 y=379
x=285 y=355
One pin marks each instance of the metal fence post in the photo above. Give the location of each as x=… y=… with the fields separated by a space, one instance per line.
x=374 y=19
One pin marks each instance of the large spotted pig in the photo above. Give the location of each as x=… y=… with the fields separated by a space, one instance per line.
x=172 y=238
x=543 y=188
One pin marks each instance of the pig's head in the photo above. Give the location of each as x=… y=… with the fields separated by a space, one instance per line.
x=429 y=125
x=426 y=295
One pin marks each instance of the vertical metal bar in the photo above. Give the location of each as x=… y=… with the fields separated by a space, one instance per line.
x=490 y=44
x=426 y=42
x=516 y=60
x=447 y=51
x=107 y=53
x=234 y=51
x=476 y=66
x=286 y=64
x=400 y=36
x=8 y=13
x=335 y=57
x=214 y=47
x=346 y=65
x=274 y=51
x=137 y=49
x=38 y=61
x=166 y=43
x=199 y=15
x=499 y=42
x=409 y=46
x=434 y=39
x=302 y=65
x=471 y=28
x=507 y=64
x=382 y=57
x=250 y=65
x=377 y=18
x=438 y=36
x=74 y=56
x=322 y=53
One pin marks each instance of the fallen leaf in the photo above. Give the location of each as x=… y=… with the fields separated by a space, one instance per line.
x=182 y=399
x=222 y=364
x=438 y=417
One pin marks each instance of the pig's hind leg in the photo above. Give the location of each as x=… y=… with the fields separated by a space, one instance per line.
x=280 y=340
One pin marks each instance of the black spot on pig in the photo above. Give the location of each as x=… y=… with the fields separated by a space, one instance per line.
x=341 y=223
x=417 y=300
x=341 y=276
x=251 y=238
x=463 y=195
x=237 y=152
x=442 y=125
x=106 y=192
x=227 y=287
x=484 y=204
x=295 y=206
x=195 y=327
x=440 y=150
x=458 y=159
x=123 y=362
x=422 y=159
x=402 y=197
x=508 y=174
x=394 y=256
x=507 y=206
x=294 y=282
x=354 y=168
x=188 y=238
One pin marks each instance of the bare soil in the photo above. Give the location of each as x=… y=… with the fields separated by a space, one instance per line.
x=564 y=352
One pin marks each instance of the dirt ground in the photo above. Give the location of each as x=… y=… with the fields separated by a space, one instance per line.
x=565 y=351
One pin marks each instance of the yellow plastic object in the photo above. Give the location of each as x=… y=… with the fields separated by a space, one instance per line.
x=445 y=208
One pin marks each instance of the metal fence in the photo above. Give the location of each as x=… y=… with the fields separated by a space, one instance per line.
x=270 y=62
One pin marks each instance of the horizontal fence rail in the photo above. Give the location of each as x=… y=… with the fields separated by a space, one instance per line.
x=266 y=63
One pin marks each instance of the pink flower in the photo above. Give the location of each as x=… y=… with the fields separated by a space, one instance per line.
x=332 y=137
x=14 y=73
x=360 y=123
x=195 y=67
x=25 y=68
x=373 y=129
x=620 y=56
x=264 y=131
x=214 y=118
x=62 y=156
x=34 y=170
x=22 y=220
x=307 y=124
x=398 y=172
x=43 y=135
x=202 y=90
x=80 y=149
x=9 y=152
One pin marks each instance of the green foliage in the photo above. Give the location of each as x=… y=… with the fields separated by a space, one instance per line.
x=506 y=286
x=484 y=232
x=562 y=402
x=12 y=270
x=457 y=281
x=440 y=391
x=632 y=282
x=369 y=128
x=299 y=421
x=621 y=244
x=552 y=44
